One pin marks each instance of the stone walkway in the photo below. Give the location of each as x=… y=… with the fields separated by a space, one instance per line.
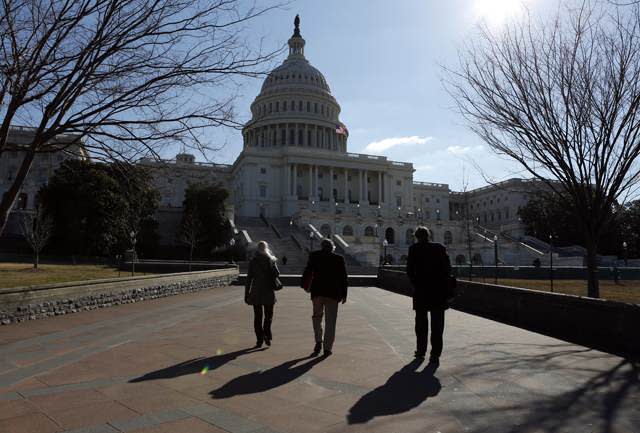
x=185 y=364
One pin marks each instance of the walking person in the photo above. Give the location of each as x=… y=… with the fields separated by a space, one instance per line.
x=429 y=269
x=262 y=280
x=325 y=277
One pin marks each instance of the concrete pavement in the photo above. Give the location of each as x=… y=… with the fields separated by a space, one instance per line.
x=185 y=364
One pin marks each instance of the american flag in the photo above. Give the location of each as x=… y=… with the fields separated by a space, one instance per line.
x=340 y=129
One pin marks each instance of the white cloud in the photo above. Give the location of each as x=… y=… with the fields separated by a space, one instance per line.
x=461 y=150
x=388 y=143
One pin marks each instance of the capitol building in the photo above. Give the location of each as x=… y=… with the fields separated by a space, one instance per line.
x=295 y=171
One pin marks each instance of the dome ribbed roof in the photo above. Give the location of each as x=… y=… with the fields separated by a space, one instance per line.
x=296 y=69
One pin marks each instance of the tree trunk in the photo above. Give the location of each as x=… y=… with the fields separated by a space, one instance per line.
x=593 y=286
x=9 y=197
x=37 y=259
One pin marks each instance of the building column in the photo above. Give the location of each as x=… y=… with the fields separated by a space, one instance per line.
x=345 y=199
x=366 y=186
x=333 y=200
x=310 y=181
x=288 y=169
x=295 y=181
x=379 y=188
x=360 y=185
x=315 y=181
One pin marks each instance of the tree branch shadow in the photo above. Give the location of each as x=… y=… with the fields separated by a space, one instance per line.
x=604 y=400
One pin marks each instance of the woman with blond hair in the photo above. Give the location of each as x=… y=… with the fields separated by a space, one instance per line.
x=262 y=281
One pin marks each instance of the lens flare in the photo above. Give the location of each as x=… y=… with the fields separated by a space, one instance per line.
x=205 y=370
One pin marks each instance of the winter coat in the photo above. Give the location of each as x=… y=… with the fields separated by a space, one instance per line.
x=261 y=281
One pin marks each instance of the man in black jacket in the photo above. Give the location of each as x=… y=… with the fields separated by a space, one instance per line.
x=325 y=276
x=428 y=268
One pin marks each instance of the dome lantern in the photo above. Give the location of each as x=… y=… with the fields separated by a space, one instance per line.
x=296 y=43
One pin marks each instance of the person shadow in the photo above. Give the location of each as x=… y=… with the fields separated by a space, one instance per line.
x=261 y=381
x=195 y=365
x=403 y=391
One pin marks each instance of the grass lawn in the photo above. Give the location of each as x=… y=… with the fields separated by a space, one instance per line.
x=22 y=274
x=626 y=291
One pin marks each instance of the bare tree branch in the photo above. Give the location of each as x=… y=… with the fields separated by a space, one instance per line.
x=126 y=77
x=562 y=98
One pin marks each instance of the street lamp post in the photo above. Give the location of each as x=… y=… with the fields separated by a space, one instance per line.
x=132 y=234
x=311 y=236
x=290 y=227
x=495 y=256
x=385 y=243
x=624 y=250
x=551 y=261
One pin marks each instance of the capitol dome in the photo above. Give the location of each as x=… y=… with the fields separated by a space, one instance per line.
x=295 y=106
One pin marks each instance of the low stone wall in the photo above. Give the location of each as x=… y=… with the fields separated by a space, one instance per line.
x=172 y=266
x=37 y=302
x=606 y=325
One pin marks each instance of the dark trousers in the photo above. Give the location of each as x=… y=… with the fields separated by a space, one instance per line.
x=422 y=331
x=263 y=329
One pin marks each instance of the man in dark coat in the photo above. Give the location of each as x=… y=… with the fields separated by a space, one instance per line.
x=428 y=268
x=325 y=276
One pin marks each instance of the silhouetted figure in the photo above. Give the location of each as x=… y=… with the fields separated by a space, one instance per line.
x=261 y=381
x=284 y=260
x=428 y=268
x=328 y=286
x=259 y=291
x=403 y=391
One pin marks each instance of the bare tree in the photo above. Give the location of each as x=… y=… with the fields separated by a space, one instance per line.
x=562 y=98
x=191 y=233
x=36 y=228
x=124 y=77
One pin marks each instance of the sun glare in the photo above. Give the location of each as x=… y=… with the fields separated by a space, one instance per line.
x=495 y=12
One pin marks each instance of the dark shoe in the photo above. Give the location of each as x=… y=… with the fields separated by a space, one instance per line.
x=316 y=349
x=258 y=344
x=267 y=341
x=419 y=355
x=327 y=353
x=434 y=360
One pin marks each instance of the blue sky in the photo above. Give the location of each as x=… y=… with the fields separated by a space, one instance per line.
x=383 y=61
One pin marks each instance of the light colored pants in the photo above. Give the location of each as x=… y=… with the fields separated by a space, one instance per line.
x=329 y=308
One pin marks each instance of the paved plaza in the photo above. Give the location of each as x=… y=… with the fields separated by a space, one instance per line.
x=186 y=364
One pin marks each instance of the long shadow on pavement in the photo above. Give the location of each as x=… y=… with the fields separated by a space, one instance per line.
x=261 y=381
x=403 y=391
x=195 y=365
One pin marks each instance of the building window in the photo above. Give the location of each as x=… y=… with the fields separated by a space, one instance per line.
x=408 y=237
x=315 y=107
x=300 y=137
x=299 y=105
x=23 y=200
x=448 y=238
x=347 y=231
x=398 y=182
x=308 y=106
x=263 y=170
x=335 y=177
x=263 y=191
x=369 y=232
x=277 y=106
x=284 y=105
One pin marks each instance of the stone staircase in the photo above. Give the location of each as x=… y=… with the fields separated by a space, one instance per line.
x=279 y=235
